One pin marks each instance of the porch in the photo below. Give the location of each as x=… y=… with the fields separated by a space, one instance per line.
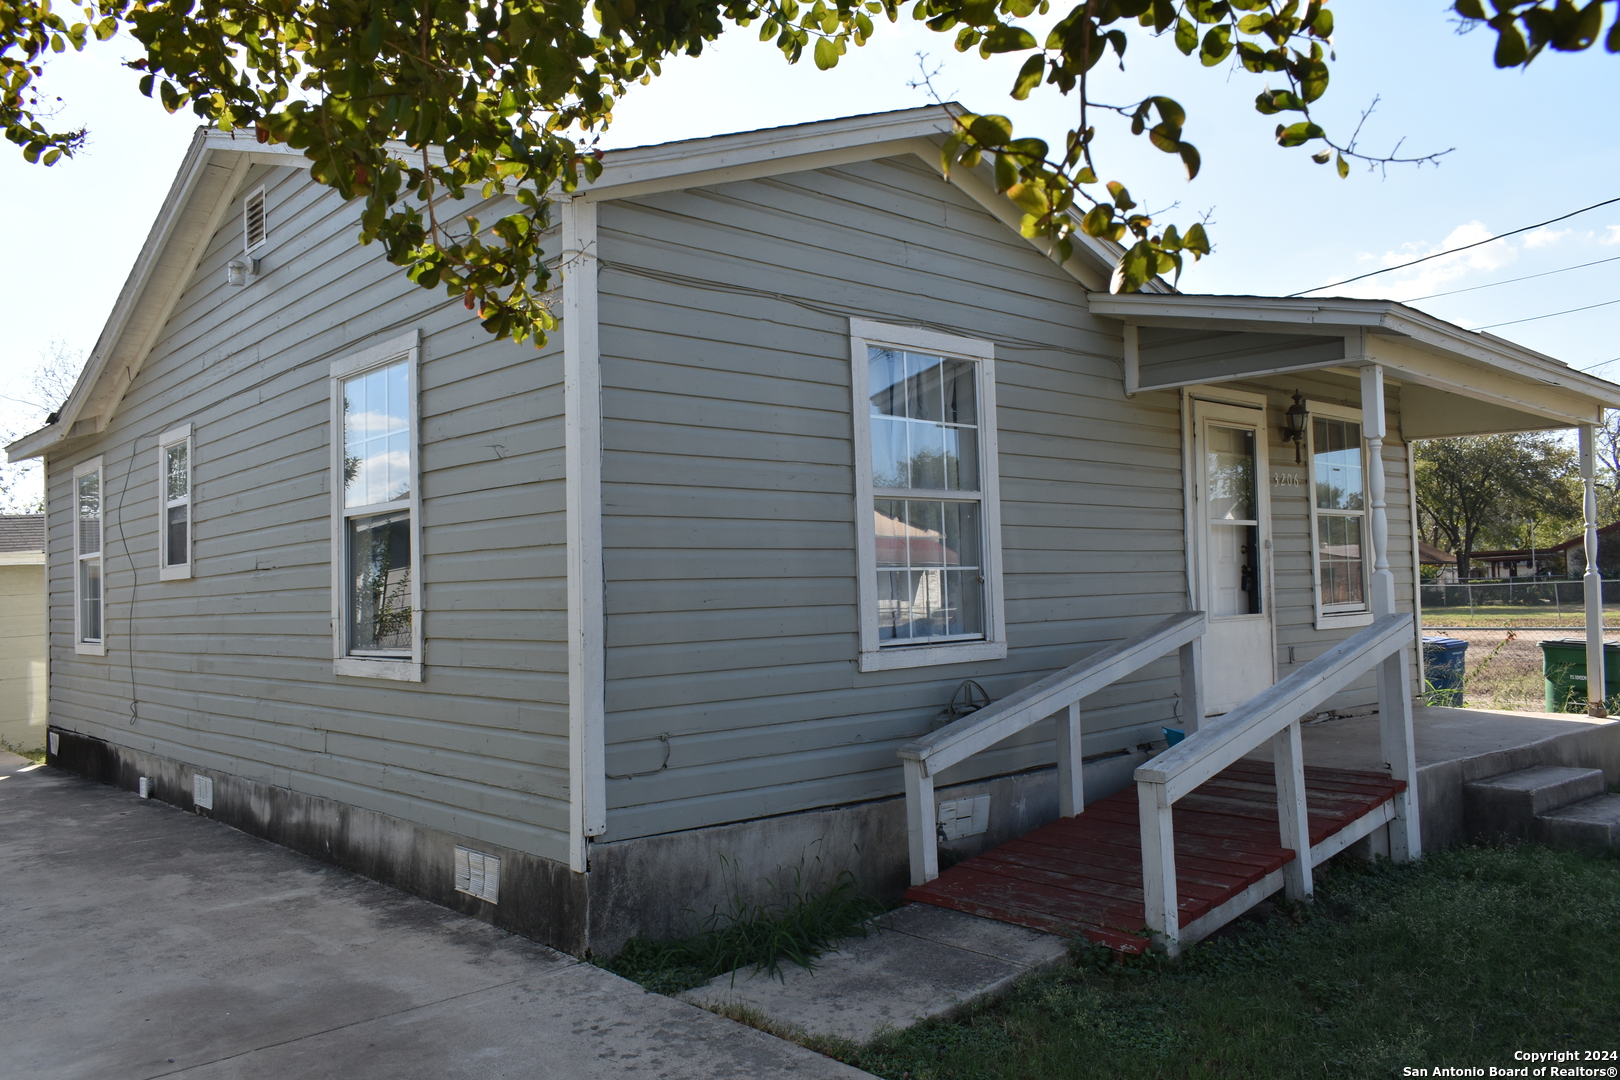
x=1083 y=875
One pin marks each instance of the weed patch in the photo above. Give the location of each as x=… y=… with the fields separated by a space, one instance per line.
x=796 y=929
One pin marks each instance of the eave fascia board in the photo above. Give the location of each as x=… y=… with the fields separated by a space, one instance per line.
x=1345 y=317
x=644 y=170
x=185 y=181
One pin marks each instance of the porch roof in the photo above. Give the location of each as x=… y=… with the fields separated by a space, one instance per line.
x=1453 y=381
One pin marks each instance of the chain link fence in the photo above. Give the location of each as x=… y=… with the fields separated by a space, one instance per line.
x=1504 y=624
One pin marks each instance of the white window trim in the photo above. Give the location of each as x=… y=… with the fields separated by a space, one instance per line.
x=404 y=347
x=873 y=657
x=173 y=437
x=1335 y=620
x=258 y=193
x=80 y=646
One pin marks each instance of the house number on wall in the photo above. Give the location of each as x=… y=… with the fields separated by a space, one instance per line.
x=1288 y=481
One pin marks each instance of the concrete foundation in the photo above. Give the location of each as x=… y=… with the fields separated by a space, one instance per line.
x=657 y=887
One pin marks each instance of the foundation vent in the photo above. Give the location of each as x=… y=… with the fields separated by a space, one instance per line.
x=478 y=874
x=964 y=817
x=202 y=791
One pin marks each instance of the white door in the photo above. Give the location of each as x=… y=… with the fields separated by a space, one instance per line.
x=1231 y=539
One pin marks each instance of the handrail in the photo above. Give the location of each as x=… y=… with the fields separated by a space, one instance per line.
x=983 y=729
x=1273 y=716
x=1224 y=740
x=1062 y=690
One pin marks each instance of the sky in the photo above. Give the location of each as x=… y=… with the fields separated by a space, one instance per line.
x=1525 y=146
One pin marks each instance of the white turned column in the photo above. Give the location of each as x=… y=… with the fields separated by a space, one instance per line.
x=1592 y=580
x=1372 y=428
x=1071 y=773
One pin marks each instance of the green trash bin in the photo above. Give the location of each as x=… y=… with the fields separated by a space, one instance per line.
x=1563 y=668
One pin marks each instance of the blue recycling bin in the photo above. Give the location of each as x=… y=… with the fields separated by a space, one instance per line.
x=1443 y=666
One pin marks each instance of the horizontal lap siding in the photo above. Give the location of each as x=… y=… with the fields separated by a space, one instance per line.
x=728 y=489
x=232 y=669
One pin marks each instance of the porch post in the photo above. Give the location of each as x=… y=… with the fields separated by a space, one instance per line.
x=1596 y=691
x=1372 y=427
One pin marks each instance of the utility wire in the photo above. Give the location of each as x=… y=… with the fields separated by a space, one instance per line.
x=1510 y=281
x=1453 y=251
x=1550 y=314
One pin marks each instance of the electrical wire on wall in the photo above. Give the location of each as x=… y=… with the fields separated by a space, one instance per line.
x=134 y=580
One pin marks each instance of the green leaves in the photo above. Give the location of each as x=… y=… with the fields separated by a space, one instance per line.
x=1525 y=27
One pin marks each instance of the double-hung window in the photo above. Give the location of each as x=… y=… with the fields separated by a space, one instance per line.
x=88 y=600
x=174 y=503
x=1338 y=516
x=376 y=514
x=928 y=532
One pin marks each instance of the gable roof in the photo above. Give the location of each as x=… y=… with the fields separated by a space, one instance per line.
x=22 y=532
x=216 y=164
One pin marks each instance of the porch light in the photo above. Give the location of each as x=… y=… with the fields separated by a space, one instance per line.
x=1298 y=417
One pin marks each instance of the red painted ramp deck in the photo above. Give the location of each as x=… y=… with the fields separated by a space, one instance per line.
x=1084 y=874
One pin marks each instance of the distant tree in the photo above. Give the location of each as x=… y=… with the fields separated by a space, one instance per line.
x=1474 y=493
x=47 y=389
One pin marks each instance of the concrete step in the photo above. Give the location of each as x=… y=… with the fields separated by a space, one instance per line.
x=1508 y=805
x=1591 y=822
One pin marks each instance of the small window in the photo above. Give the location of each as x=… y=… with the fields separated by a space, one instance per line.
x=174 y=503
x=1338 y=516
x=88 y=596
x=255 y=225
x=928 y=520
x=376 y=586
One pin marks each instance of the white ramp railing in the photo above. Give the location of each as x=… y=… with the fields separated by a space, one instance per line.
x=1274 y=717
x=1060 y=692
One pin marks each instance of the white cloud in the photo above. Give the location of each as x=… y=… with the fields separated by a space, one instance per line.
x=1545 y=237
x=1436 y=274
x=1612 y=236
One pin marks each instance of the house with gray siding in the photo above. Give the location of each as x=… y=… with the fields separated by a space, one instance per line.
x=582 y=639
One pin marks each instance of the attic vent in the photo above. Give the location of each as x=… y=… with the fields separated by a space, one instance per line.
x=202 y=791
x=254 y=225
x=478 y=874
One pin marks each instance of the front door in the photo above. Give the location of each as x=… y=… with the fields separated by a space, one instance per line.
x=1231 y=539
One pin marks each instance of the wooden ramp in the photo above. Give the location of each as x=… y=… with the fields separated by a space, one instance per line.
x=1084 y=874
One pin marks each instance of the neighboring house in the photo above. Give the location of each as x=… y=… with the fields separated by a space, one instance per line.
x=1444 y=562
x=23 y=685
x=647 y=612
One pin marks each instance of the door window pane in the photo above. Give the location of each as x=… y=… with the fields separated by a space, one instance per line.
x=1229 y=473
x=380 y=582
x=1234 y=566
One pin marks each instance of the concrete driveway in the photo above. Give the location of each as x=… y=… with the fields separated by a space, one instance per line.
x=143 y=941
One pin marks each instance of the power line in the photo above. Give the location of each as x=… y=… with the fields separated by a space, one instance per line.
x=1550 y=314
x=1510 y=281
x=1601 y=363
x=1453 y=251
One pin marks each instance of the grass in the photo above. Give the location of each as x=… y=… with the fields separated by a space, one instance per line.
x=1459 y=960
x=1486 y=616
x=795 y=929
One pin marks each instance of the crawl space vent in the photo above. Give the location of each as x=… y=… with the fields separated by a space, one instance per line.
x=254 y=225
x=964 y=817
x=202 y=791
x=478 y=874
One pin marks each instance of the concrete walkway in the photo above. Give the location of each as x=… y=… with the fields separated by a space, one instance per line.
x=142 y=941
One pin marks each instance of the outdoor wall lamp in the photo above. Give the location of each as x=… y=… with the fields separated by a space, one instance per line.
x=239 y=270
x=1298 y=417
